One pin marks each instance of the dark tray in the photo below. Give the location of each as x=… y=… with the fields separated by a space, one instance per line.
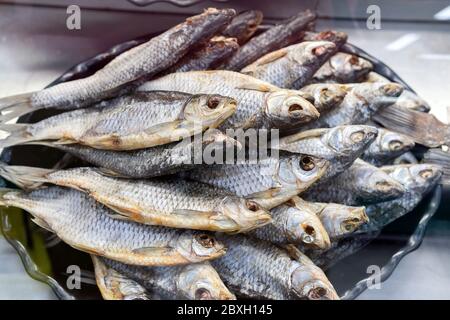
x=47 y=259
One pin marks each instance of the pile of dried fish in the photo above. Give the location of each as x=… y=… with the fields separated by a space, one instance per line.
x=171 y=182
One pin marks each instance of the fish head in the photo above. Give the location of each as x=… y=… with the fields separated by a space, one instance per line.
x=345 y=63
x=379 y=94
x=328 y=96
x=349 y=140
x=415 y=177
x=298 y=171
x=199 y=246
x=393 y=144
x=412 y=101
x=304 y=227
x=309 y=282
x=311 y=53
x=341 y=220
x=372 y=183
x=200 y=281
x=208 y=110
x=244 y=25
x=287 y=108
x=208 y=23
x=241 y=214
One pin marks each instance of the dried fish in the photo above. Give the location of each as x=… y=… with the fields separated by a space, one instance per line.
x=141 y=62
x=87 y=226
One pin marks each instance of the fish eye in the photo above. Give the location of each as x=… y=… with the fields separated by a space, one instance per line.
x=252 y=206
x=348 y=227
x=325 y=92
x=395 y=145
x=205 y=240
x=426 y=174
x=213 y=103
x=353 y=60
x=357 y=136
x=307 y=163
x=309 y=230
x=295 y=107
x=202 y=294
x=317 y=293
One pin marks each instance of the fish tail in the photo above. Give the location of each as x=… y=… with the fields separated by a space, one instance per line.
x=24 y=177
x=17 y=134
x=15 y=106
x=3 y=191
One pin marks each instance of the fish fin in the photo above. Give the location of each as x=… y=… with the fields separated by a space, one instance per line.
x=313 y=133
x=257 y=86
x=17 y=134
x=154 y=251
x=15 y=106
x=118 y=213
x=4 y=191
x=423 y=128
x=110 y=173
x=24 y=177
x=272 y=56
x=297 y=255
x=266 y=194
x=41 y=223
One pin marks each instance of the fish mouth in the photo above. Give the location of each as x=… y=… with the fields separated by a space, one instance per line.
x=303 y=113
x=313 y=289
x=391 y=90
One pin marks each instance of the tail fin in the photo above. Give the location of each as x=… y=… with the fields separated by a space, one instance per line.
x=24 y=177
x=17 y=134
x=4 y=191
x=15 y=106
x=424 y=128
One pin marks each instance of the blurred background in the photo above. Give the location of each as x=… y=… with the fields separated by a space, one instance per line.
x=414 y=39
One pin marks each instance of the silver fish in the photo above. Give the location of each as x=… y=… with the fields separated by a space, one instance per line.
x=360 y=104
x=416 y=179
x=407 y=99
x=337 y=219
x=198 y=281
x=340 y=145
x=208 y=57
x=259 y=270
x=244 y=25
x=155 y=161
x=87 y=226
x=136 y=121
x=326 y=95
x=260 y=104
x=171 y=203
x=293 y=66
x=115 y=286
x=141 y=62
x=360 y=184
x=343 y=68
x=269 y=182
x=275 y=38
x=292 y=223
x=387 y=146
